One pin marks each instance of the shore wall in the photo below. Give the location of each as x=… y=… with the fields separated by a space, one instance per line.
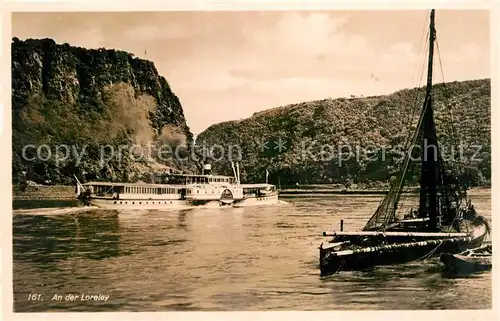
x=57 y=192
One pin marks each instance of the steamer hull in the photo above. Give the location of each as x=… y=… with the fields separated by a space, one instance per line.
x=139 y=204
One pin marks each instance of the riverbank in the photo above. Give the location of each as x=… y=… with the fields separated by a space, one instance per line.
x=63 y=192
x=332 y=191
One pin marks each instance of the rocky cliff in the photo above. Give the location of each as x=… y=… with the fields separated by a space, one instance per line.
x=358 y=139
x=86 y=99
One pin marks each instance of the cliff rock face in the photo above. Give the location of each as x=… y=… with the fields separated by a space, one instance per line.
x=76 y=96
x=356 y=140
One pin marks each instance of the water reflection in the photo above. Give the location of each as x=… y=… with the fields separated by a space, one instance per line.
x=182 y=221
x=46 y=239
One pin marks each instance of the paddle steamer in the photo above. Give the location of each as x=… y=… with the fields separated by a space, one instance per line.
x=180 y=191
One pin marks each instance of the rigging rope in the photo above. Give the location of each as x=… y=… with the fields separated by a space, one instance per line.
x=428 y=255
x=419 y=79
x=454 y=133
x=413 y=108
x=411 y=116
x=440 y=61
x=451 y=128
x=458 y=193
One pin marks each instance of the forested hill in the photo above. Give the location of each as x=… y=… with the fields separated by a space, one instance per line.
x=301 y=143
x=87 y=99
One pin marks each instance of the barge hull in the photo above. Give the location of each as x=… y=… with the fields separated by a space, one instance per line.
x=331 y=263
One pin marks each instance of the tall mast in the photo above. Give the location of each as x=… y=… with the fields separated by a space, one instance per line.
x=430 y=172
x=432 y=37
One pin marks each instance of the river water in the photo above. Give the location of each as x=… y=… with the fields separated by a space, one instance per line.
x=217 y=259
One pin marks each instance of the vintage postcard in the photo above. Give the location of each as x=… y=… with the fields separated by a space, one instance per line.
x=216 y=157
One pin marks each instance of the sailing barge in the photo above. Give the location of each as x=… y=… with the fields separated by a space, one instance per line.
x=444 y=222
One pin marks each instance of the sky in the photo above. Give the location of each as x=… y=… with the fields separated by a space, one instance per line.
x=228 y=65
